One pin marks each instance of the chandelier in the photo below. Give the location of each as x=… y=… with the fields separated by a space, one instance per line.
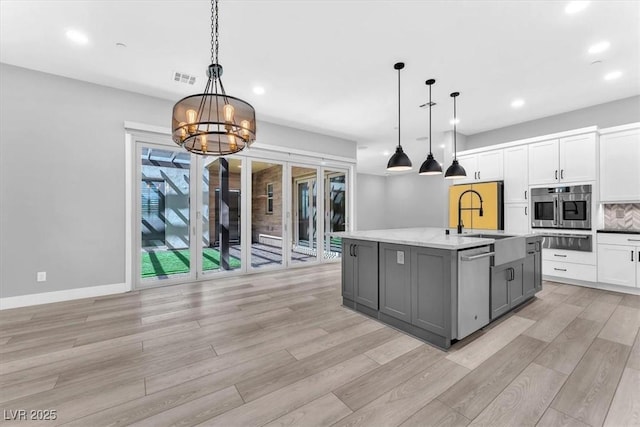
x=213 y=123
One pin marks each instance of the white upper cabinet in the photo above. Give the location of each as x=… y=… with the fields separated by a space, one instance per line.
x=482 y=167
x=571 y=159
x=620 y=166
x=544 y=158
x=578 y=158
x=470 y=165
x=516 y=177
x=490 y=166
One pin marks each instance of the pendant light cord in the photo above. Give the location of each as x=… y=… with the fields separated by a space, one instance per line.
x=430 y=152
x=455 y=150
x=214 y=31
x=399 y=145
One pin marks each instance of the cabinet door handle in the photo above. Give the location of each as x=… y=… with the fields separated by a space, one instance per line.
x=633 y=240
x=351 y=250
x=525 y=194
x=561 y=173
x=561 y=256
x=556 y=173
x=525 y=211
x=355 y=250
x=478 y=174
x=560 y=269
x=631 y=256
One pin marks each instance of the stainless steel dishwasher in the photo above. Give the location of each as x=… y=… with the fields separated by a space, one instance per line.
x=474 y=276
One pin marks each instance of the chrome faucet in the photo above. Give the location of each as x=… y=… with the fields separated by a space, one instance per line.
x=460 y=208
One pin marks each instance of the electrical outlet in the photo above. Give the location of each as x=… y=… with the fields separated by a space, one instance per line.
x=41 y=276
x=619 y=213
x=400 y=257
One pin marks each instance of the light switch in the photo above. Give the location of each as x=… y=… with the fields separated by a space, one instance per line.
x=400 y=256
x=41 y=276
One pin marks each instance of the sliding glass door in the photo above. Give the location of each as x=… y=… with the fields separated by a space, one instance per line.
x=163 y=196
x=335 y=211
x=267 y=210
x=221 y=214
x=303 y=214
x=197 y=217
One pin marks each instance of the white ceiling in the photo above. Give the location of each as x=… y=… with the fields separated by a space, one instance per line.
x=328 y=65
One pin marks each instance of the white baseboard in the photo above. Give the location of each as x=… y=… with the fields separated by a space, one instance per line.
x=594 y=285
x=65 y=295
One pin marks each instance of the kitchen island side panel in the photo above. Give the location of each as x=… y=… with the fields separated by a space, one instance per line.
x=431 y=279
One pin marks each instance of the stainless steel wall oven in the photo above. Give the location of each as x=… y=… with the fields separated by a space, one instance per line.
x=561 y=207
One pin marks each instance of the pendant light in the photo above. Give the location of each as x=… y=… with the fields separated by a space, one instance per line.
x=431 y=165
x=213 y=123
x=399 y=161
x=455 y=171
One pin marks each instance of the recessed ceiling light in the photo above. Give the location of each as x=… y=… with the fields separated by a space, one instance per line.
x=258 y=90
x=517 y=103
x=121 y=45
x=422 y=138
x=454 y=121
x=385 y=153
x=599 y=47
x=441 y=145
x=362 y=147
x=612 y=75
x=576 y=6
x=77 y=37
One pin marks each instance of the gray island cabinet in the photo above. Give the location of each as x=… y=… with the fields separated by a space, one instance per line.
x=412 y=279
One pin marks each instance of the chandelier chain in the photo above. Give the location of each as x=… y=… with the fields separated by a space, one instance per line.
x=214 y=32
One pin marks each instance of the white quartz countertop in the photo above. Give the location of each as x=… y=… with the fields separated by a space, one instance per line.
x=429 y=237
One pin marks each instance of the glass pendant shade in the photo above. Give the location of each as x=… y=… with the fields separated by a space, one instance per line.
x=455 y=171
x=430 y=166
x=399 y=161
x=228 y=124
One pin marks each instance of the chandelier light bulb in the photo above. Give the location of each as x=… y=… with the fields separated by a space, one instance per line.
x=233 y=145
x=191 y=118
x=228 y=113
x=203 y=143
x=244 y=131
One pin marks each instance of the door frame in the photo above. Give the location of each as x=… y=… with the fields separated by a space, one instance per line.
x=161 y=136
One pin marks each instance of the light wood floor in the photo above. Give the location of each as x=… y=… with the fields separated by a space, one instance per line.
x=278 y=349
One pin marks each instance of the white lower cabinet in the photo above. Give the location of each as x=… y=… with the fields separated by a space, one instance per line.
x=516 y=218
x=619 y=259
x=574 y=265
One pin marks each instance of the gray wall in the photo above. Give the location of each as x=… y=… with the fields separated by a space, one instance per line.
x=613 y=113
x=62 y=177
x=416 y=201
x=371 y=202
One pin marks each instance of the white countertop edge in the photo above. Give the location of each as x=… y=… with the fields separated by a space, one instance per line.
x=425 y=237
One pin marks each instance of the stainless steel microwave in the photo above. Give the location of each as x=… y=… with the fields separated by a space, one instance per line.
x=561 y=207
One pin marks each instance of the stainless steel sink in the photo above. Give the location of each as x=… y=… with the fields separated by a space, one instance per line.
x=507 y=248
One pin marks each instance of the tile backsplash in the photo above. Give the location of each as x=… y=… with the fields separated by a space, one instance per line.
x=625 y=216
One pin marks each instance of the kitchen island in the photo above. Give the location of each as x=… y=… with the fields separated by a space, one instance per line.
x=439 y=287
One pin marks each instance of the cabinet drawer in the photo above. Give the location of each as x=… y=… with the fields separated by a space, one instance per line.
x=567 y=270
x=619 y=239
x=562 y=255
